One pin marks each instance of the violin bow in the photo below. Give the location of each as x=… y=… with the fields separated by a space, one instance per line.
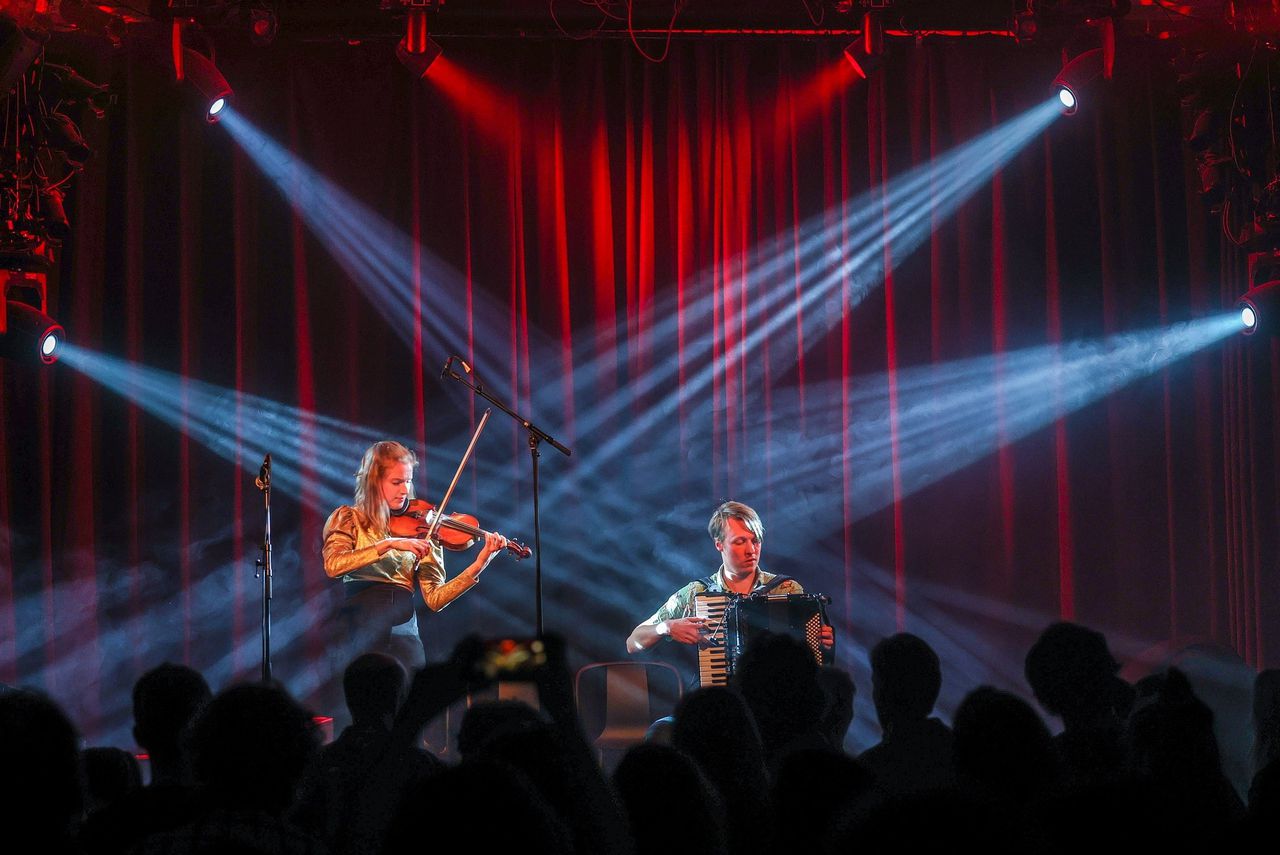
x=462 y=464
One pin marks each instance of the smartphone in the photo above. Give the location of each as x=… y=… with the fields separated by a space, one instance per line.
x=511 y=659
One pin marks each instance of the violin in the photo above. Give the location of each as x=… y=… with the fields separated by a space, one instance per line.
x=456 y=532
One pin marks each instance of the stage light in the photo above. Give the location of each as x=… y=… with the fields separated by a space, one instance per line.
x=416 y=51
x=1259 y=307
x=1249 y=318
x=1076 y=78
x=866 y=53
x=207 y=82
x=29 y=335
x=263 y=26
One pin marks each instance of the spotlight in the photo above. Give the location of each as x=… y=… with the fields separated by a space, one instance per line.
x=867 y=53
x=29 y=335
x=1249 y=318
x=207 y=81
x=1260 y=306
x=416 y=51
x=1076 y=78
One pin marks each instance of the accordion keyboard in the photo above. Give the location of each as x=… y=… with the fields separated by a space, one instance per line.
x=713 y=658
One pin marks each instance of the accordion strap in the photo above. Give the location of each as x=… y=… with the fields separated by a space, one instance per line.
x=707 y=581
x=773 y=583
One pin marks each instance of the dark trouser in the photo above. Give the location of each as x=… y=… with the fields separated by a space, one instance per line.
x=379 y=617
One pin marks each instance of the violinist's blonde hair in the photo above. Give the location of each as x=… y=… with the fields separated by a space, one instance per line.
x=379 y=457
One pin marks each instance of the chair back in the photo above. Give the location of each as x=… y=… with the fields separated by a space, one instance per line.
x=623 y=699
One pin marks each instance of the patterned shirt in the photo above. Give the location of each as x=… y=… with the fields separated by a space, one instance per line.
x=680 y=604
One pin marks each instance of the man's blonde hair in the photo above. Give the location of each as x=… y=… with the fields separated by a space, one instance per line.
x=718 y=526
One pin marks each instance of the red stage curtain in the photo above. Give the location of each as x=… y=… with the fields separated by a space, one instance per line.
x=600 y=219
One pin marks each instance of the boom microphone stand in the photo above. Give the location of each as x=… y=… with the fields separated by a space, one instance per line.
x=536 y=436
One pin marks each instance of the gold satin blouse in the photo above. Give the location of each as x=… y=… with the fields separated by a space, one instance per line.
x=351 y=553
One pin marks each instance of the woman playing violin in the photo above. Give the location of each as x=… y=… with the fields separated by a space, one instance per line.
x=380 y=571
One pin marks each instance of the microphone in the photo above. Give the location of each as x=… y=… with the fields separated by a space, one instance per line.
x=448 y=363
x=264 y=474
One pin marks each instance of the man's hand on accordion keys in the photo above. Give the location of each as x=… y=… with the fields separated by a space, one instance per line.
x=689 y=630
x=828 y=636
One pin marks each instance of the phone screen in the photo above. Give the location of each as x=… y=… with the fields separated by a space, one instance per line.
x=512 y=658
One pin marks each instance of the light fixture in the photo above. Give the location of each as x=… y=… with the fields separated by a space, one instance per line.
x=417 y=50
x=207 y=82
x=1076 y=78
x=263 y=26
x=205 y=85
x=1259 y=308
x=867 y=52
x=29 y=335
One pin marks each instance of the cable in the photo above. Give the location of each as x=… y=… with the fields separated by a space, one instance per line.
x=1231 y=116
x=822 y=13
x=671 y=25
x=551 y=7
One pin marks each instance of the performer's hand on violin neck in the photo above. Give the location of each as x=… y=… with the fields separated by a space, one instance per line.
x=493 y=544
x=688 y=630
x=418 y=546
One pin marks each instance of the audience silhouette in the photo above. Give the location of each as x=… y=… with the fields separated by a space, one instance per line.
x=41 y=783
x=837 y=713
x=165 y=701
x=752 y=768
x=250 y=747
x=1073 y=675
x=914 y=752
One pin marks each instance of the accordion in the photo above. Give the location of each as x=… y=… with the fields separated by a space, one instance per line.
x=734 y=620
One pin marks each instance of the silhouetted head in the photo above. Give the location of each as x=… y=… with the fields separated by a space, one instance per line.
x=41 y=788
x=110 y=774
x=669 y=804
x=906 y=678
x=1073 y=675
x=778 y=678
x=1170 y=732
x=837 y=714
x=488 y=722
x=374 y=685
x=250 y=746
x=715 y=727
x=1002 y=747
x=165 y=700
x=660 y=732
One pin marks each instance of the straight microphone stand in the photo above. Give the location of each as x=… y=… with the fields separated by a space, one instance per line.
x=536 y=436
x=263 y=483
